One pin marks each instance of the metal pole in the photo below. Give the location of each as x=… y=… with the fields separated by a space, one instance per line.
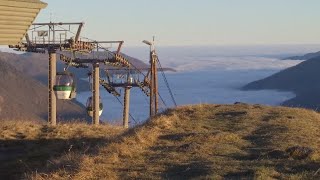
x=52 y=114
x=126 y=108
x=96 y=94
x=155 y=75
x=77 y=38
x=151 y=87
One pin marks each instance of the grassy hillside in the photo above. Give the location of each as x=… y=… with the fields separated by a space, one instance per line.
x=201 y=141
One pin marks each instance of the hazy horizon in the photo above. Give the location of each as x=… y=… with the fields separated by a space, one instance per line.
x=205 y=22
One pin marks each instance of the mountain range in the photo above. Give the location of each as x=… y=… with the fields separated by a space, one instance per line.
x=302 y=79
x=304 y=57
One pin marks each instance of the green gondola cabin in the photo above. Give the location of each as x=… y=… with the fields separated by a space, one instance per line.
x=65 y=88
x=90 y=107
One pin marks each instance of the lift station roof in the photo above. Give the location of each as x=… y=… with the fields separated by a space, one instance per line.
x=16 y=17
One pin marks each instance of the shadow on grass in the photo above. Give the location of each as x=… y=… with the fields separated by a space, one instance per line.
x=299 y=167
x=192 y=170
x=231 y=114
x=46 y=155
x=19 y=157
x=262 y=153
x=23 y=156
x=261 y=140
x=249 y=174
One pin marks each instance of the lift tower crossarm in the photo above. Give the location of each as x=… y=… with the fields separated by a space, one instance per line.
x=41 y=43
x=109 y=87
x=87 y=61
x=70 y=62
x=60 y=23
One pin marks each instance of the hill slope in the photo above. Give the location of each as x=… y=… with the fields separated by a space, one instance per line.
x=23 y=98
x=301 y=79
x=304 y=57
x=202 y=141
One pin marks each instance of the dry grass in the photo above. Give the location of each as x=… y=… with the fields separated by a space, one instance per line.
x=26 y=147
x=190 y=142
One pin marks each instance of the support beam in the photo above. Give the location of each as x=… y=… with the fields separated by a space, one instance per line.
x=52 y=100
x=126 y=108
x=153 y=84
x=151 y=87
x=96 y=94
x=155 y=76
x=77 y=38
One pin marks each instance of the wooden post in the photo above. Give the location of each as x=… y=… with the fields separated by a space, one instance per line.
x=52 y=101
x=96 y=94
x=155 y=75
x=126 y=108
x=151 y=86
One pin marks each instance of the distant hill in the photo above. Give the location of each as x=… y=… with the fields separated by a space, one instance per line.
x=304 y=57
x=302 y=79
x=23 y=98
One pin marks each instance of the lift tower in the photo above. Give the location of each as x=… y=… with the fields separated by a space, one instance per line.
x=51 y=37
x=99 y=57
x=153 y=79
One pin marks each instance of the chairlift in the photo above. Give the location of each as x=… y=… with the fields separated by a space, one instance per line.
x=65 y=87
x=89 y=107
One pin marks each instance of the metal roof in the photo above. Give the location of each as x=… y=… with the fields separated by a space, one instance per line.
x=16 y=17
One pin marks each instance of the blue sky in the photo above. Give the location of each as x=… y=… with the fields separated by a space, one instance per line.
x=191 y=22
